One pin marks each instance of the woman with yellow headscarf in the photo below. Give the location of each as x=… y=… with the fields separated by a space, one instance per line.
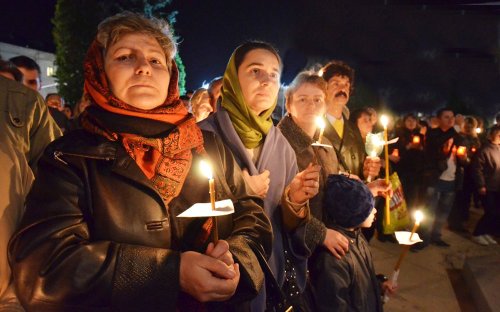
x=243 y=121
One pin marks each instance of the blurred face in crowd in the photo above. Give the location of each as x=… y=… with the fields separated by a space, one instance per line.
x=67 y=111
x=55 y=101
x=446 y=120
x=201 y=107
x=410 y=123
x=307 y=103
x=495 y=137
x=364 y=124
x=215 y=91
x=368 y=222
x=469 y=128
x=31 y=78
x=137 y=71
x=459 y=119
x=339 y=90
x=259 y=77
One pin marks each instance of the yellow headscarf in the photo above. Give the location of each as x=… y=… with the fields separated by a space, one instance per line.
x=251 y=128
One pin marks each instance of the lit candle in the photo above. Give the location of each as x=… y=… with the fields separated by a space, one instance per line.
x=478 y=130
x=384 y=120
x=320 y=72
x=418 y=218
x=416 y=139
x=473 y=149
x=461 y=150
x=320 y=122
x=207 y=171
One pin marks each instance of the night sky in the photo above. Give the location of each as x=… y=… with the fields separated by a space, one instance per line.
x=410 y=57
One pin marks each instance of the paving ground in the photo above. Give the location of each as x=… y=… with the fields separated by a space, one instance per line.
x=431 y=279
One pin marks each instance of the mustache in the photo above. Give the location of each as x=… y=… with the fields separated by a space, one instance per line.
x=341 y=93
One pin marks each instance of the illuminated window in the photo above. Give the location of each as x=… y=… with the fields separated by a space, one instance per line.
x=50 y=71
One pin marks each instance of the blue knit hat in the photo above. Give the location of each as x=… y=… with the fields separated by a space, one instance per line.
x=347 y=202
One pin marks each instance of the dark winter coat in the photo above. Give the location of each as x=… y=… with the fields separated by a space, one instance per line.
x=348 y=284
x=97 y=236
x=306 y=154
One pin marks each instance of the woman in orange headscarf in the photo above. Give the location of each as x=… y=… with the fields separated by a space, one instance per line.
x=101 y=230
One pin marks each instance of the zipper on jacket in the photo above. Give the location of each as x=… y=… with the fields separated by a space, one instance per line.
x=58 y=154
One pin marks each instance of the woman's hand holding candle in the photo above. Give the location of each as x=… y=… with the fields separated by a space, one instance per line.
x=305 y=184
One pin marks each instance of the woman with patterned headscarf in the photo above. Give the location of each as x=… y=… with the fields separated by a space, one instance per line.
x=243 y=121
x=101 y=230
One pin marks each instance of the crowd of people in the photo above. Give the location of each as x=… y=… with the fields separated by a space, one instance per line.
x=91 y=195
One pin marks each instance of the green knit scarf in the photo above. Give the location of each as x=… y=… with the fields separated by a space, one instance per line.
x=251 y=128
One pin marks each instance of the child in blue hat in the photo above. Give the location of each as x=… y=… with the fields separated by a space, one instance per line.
x=350 y=283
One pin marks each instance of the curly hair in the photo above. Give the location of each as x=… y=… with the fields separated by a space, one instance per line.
x=115 y=27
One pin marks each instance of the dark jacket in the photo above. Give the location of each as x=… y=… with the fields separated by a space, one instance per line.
x=486 y=167
x=348 y=284
x=306 y=154
x=97 y=236
x=435 y=159
x=411 y=156
x=350 y=149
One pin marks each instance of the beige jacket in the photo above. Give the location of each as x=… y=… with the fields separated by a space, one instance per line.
x=26 y=128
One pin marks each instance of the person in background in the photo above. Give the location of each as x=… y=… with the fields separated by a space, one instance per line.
x=349 y=283
x=249 y=95
x=78 y=109
x=200 y=104
x=344 y=135
x=486 y=170
x=362 y=118
x=101 y=229
x=410 y=146
x=459 y=122
x=26 y=128
x=465 y=186
x=31 y=71
x=214 y=90
x=68 y=111
x=439 y=174
x=55 y=103
x=10 y=71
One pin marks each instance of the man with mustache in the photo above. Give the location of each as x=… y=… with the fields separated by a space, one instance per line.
x=344 y=135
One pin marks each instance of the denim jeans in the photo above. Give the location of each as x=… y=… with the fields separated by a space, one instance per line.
x=439 y=200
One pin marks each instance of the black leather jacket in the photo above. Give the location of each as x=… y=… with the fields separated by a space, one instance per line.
x=97 y=236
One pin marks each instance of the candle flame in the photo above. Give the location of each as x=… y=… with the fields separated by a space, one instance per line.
x=478 y=130
x=384 y=120
x=206 y=169
x=320 y=72
x=320 y=122
x=461 y=150
x=418 y=217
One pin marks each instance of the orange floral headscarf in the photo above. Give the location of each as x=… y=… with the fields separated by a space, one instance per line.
x=166 y=160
